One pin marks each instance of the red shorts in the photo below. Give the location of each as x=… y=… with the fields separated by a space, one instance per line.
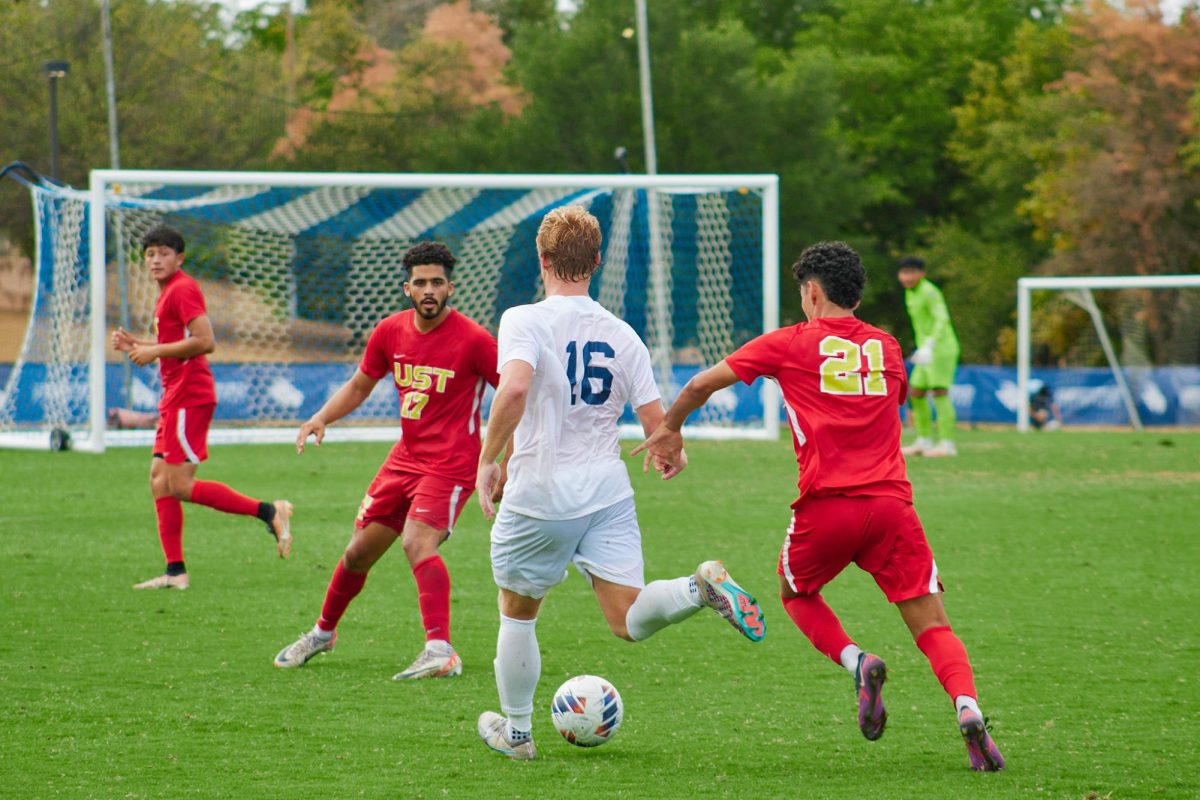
x=394 y=496
x=883 y=535
x=182 y=434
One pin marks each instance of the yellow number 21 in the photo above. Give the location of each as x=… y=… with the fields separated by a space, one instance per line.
x=840 y=372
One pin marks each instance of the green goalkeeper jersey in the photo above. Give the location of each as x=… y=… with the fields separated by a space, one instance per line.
x=930 y=317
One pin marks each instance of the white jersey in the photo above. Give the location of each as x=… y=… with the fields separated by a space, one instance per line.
x=587 y=365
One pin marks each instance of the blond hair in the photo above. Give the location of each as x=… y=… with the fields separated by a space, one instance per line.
x=570 y=238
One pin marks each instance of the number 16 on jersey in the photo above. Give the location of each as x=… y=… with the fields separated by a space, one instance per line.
x=587 y=391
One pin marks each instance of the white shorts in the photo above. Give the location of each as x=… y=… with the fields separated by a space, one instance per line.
x=531 y=555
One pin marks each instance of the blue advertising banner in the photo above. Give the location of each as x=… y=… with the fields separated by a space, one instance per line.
x=1164 y=395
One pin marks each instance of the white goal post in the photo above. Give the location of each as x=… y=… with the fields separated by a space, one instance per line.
x=298 y=267
x=1079 y=291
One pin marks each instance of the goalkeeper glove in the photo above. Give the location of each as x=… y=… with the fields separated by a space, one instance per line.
x=923 y=354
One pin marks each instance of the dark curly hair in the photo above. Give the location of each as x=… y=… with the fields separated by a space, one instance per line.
x=429 y=253
x=163 y=236
x=837 y=268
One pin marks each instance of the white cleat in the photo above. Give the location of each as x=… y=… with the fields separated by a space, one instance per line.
x=281 y=526
x=719 y=592
x=164 y=581
x=431 y=664
x=493 y=729
x=918 y=447
x=942 y=450
x=308 y=645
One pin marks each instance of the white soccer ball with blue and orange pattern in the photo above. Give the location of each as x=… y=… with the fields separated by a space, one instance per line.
x=587 y=710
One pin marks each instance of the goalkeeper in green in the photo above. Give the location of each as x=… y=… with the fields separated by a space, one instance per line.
x=934 y=362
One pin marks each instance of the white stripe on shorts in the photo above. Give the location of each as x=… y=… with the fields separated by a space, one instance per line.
x=933 y=583
x=453 y=505
x=181 y=435
x=787 y=567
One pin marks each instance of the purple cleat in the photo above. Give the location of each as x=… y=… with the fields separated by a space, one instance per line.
x=868 y=681
x=984 y=755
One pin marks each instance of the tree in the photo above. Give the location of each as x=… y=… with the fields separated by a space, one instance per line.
x=1115 y=193
x=186 y=98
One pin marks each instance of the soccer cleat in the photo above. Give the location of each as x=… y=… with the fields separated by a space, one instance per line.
x=493 y=729
x=164 y=581
x=300 y=651
x=432 y=665
x=281 y=527
x=868 y=682
x=982 y=751
x=943 y=449
x=918 y=447
x=719 y=592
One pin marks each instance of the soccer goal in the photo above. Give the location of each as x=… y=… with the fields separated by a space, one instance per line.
x=297 y=269
x=1116 y=350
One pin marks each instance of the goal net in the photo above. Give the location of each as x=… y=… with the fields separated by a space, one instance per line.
x=1116 y=350
x=297 y=269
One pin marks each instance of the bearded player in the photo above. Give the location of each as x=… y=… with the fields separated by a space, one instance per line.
x=439 y=361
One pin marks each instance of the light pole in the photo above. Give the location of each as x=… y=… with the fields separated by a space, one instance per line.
x=54 y=70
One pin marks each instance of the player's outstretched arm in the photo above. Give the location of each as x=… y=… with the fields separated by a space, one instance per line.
x=666 y=443
x=508 y=406
x=349 y=396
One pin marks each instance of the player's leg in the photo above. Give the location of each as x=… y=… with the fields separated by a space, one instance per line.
x=529 y=556
x=930 y=627
x=824 y=536
x=436 y=504
x=189 y=433
x=903 y=567
x=371 y=539
x=169 y=512
x=941 y=376
x=922 y=413
x=518 y=668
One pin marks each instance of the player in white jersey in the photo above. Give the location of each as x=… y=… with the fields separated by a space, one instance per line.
x=567 y=369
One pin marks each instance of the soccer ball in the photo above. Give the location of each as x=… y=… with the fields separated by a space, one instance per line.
x=587 y=711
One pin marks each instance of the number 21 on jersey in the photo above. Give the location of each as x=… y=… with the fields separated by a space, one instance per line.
x=841 y=371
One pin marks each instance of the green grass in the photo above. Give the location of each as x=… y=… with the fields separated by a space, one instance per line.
x=1070 y=562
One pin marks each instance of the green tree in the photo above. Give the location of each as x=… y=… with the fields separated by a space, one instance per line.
x=185 y=97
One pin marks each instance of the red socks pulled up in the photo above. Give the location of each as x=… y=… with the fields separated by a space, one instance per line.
x=433 y=596
x=169 y=511
x=816 y=620
x=222 y=498
x=344 y=586
x=948 y=657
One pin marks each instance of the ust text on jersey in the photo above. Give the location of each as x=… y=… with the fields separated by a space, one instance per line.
x=415 y=383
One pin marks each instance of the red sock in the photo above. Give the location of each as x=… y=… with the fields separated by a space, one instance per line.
x=344 y=586
x=948 y=658
x=222 y=498
x=816 y=620
x=170 y=527
x=433 y=596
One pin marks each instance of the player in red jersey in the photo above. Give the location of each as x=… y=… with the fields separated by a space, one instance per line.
x=184 y=336
x=439 y=361
x=842 y=383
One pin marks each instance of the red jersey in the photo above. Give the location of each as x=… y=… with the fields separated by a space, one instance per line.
x=440 y=377
x=842 y=383
x=186 y=382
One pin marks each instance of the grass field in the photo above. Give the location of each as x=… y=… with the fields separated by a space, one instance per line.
x=1070 y=562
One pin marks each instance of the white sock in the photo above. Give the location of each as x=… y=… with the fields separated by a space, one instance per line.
x=849 y=658
x=966 y=701
x=322 y=634
x=518 y=667
x=660 y=604
x=439 y=646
